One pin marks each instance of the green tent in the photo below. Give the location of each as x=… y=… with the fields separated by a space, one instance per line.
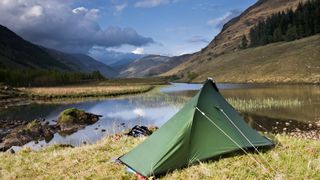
x=206 y=127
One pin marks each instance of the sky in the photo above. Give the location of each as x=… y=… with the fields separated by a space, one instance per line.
x=165 y=27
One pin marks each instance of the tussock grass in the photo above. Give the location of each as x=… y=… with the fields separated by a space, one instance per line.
x=293 y=158
x=86 y=91
x=248 y=105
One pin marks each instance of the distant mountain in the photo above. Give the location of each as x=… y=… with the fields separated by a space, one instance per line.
x=15 y=52
x=82 y=63
x=151 y=65
x=222 y=59
x=114 y=58
x=122 y=64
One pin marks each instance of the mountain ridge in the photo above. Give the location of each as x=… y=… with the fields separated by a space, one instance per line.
x=226 y=43
x=16 y=52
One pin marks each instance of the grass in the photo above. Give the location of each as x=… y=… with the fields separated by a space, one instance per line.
x=248 y=105
x=107 y=88
x=86 y=91
x=283 y=62
x=293 y=158
x=70 y=115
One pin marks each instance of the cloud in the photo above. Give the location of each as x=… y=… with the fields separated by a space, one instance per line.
x=120 y=7
x=198 y=39
x=34 y=11
x=56 y=25
x=153 y=3
x=220 y=21
x=138 y=51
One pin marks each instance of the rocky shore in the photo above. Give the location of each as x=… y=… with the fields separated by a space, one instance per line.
x=19 y=133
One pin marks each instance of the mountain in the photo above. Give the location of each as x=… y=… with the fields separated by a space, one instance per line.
x=296 y=61
x=151 y=65
x=15 y=52
x=82 y=63
x=112 y=58
x=123 y=63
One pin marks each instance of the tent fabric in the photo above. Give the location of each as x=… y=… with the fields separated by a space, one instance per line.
x=190 y=137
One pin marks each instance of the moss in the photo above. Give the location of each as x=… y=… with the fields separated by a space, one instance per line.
x=70 y=116
x=32 y=124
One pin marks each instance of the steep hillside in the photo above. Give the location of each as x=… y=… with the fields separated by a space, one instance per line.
x=15 y=52
x=82 y=63
x=219 y=53
x=151 y=65
x=291 y=62
x=231 y=33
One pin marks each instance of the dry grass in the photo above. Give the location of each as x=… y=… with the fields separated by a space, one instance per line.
x=86 y=91
x=283 y=62
x=249 y=105
x=293 y=159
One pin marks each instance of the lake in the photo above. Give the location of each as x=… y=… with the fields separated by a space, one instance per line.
x=265 y=107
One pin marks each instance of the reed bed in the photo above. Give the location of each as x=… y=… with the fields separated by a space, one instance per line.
x=85 y=91
x=248 y=105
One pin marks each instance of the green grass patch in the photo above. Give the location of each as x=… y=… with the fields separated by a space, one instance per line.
x=292 y=158
x=248 y=105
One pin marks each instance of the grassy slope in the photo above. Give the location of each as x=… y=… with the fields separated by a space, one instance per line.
x=293 y=159
x=296 y=61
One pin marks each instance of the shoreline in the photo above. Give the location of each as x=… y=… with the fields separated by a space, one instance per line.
x=25 y=97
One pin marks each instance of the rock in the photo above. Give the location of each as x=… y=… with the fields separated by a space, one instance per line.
x=72 y=120
x=103 y=130
x=138 y=131
x=21 y=135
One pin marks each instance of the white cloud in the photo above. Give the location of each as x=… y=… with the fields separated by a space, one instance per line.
x=220 y=21
x=139 y=112
x=56 y=25
x=138 y=51
x=79 y=10
x=153 y=3
x=120 y=7
x=34 y=11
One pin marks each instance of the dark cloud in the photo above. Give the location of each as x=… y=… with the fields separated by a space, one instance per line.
x=55 y=24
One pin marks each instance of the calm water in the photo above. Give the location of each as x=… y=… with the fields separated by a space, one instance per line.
x=155 y=108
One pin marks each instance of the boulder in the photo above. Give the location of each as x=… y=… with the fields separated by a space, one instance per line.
x=72 y=120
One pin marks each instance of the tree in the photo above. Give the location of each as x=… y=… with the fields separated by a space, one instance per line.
x=243 y=42
x=291 y=33
x=277 y=35
x=289 y=25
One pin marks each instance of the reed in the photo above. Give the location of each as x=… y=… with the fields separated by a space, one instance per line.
x=248 y=105
x=85 y=91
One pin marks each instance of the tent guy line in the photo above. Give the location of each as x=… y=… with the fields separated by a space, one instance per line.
x=247 y=153
x=255 y=148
